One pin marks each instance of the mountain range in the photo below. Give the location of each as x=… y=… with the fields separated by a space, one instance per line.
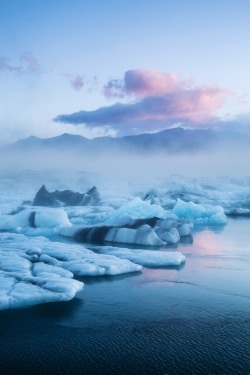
x=171 y=141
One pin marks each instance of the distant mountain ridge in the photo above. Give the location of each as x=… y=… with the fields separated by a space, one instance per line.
x=171 y=141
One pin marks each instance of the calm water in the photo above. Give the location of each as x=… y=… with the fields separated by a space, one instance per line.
x=193 y=320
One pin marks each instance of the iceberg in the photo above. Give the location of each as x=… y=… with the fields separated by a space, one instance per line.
x=200 y=214
x=143 y=235
x=136 y=223
x=66 y=198
x=135 y=209
x=54 y=219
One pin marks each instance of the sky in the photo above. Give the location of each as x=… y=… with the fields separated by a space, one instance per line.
x=96 y=68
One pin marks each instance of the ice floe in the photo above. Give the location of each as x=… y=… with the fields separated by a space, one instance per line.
x=36 y=270
x=147 y=258
x=25 y=280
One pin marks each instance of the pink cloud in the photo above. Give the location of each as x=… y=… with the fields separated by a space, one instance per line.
x=198 y=104
x=142 y=83
x=149 y=82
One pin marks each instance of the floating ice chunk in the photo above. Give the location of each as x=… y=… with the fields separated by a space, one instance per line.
x=147 y=258
x=135 y=209
x=144 y=235
x=200 y=214
x=49 y=218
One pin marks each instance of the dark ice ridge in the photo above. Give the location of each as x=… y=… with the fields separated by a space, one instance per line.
x=66 y=198
x=144 y=232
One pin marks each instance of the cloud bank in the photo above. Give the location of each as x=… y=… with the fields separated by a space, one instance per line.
x=156 y=101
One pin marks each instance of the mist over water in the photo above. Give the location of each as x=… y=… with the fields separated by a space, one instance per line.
x=134 y=166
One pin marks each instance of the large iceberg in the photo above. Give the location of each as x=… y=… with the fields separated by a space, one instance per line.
x=135 y=223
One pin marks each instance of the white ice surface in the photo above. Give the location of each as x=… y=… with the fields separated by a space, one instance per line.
x=147 y=258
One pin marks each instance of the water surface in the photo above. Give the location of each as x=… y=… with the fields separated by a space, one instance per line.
x=191 y=320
